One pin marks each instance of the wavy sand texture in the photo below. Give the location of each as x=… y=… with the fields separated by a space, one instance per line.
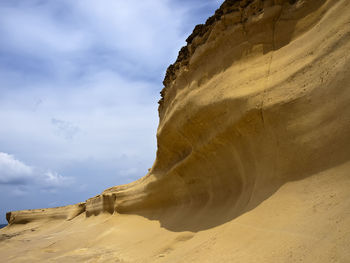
x=253 y=154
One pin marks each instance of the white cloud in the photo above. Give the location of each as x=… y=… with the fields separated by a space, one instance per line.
x=15 y=172
x=144 y=30
x=38 y=32
x=133 y=35
x=52 y=179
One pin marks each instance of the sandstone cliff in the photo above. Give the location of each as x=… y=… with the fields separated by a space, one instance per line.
x=253 y=151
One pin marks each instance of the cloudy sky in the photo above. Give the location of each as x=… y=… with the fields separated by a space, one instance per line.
x=79 y=85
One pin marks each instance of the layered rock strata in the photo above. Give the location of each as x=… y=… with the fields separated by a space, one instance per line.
x=57 y=213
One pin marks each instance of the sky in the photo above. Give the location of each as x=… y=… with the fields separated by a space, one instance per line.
x=79 y=86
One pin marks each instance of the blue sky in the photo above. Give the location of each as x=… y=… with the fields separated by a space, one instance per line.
x=79 y=85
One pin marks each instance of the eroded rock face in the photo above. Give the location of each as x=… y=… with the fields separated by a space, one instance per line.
x=100 y=204
x=258 y=97
x=253 y=154
x=46 y=214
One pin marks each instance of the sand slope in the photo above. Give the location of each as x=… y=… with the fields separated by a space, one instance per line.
x=253 y=156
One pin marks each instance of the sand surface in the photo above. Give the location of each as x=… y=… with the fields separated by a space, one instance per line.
x=253 y=159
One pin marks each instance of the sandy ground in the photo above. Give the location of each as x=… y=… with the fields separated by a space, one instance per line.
x=304 y=221
x=253 y=155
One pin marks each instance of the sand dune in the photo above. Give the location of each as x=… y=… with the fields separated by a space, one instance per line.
x=253 y=155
